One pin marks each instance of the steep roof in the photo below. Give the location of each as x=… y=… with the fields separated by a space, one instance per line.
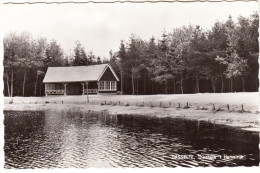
x=76 y=73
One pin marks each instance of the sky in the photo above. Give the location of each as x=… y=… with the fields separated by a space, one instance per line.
x=101 y=27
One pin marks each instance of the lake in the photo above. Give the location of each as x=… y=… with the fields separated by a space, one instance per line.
x=73 y=139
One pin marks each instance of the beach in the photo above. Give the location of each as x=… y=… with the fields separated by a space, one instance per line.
x=231 y=109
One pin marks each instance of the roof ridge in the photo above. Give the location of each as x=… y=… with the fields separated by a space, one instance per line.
x=80 y=66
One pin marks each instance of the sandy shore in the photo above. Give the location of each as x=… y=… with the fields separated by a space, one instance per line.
x=200 y=106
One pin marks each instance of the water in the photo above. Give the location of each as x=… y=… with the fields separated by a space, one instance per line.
x=75 y=139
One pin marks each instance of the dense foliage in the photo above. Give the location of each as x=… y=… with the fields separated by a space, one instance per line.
x=192 y=60
x=26 y=61
x=188 y=59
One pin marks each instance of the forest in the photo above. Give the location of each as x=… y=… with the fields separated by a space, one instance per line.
x=188 y=59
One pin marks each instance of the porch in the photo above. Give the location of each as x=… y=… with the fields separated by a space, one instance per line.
x=77 y=88
x=81 y=88
x=62 y=92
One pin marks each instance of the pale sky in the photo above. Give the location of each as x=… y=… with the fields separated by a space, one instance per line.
x=100 y=27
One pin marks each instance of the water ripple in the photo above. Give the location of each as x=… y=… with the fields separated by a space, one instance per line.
x=81 y=140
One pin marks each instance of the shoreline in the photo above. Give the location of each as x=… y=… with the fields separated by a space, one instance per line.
x=232 y=109
x=244 y=120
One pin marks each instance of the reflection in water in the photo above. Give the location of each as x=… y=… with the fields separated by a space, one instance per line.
x=75 y=139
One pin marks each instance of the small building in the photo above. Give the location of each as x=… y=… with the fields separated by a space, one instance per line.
x=80 y=80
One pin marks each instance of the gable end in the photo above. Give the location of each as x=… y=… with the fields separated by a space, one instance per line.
x=108 y=75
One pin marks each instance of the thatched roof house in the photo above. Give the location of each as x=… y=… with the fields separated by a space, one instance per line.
x=77 y=80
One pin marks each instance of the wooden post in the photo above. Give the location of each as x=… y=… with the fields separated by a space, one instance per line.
x=82 y=83
x=87 y=91
x=65 y=88
x=46 y=89
x=213 y=107
x=116 y=86
x=98 y=87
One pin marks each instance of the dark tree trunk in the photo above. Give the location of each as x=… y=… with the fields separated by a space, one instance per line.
x=222 y=84
x=133 y=86
x=122 y=79
x=174 y=87
x=231 y=84
x=126 y=85
x=222 y=81
x=40 y=87
x=181 y=85
x=35 y=87
x=243 y=84
x=166 y=87
x=144 y=85
x=137 y=86
x=213 y=83
x=152 y=86
x=24 y=78
x=12 y=83
x=197 y=84
x=193 y=89
x=206 y=90
x=7 y=82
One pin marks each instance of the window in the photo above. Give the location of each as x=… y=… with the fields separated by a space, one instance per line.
x=107 y=85
x=113 y=85
x=51 y=86
x=101 y=85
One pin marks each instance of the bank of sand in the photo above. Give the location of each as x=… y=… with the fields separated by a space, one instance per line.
x=200 y=106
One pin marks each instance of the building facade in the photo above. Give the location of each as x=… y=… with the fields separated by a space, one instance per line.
x=80 y=80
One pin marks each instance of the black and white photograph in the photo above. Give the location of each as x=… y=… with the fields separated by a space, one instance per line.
x=129 y=84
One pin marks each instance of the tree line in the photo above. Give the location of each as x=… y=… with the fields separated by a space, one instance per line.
x=26 y=61
x=188 y=59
